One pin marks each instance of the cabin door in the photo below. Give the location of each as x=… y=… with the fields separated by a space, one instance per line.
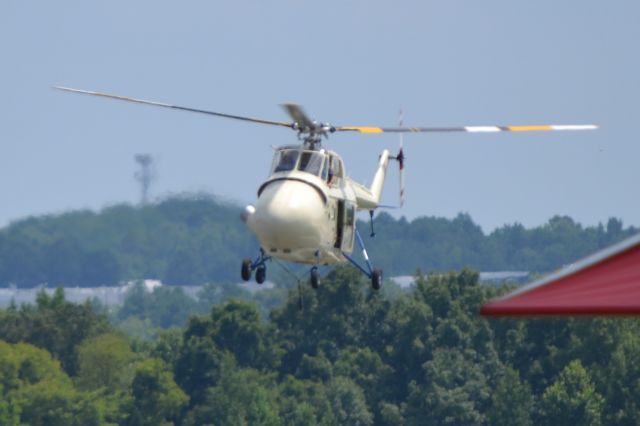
x=345 y=226
x=339 y=224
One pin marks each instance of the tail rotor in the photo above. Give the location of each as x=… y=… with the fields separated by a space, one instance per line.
x=400 y=158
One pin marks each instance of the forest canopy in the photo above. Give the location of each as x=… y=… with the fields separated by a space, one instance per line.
x=351 y=356
x=192 y=240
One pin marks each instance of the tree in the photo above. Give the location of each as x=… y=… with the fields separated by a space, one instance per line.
x=512 y=401
x=170 y=307
x=236 y=327
x=99 y=267
x=334 y=316
x=241 y=397
x=54 y=324
x=620 y=376
x=198 y=364
x=454 y=391
x=105 y=361
x=48 y=404
x=304 y=402
x=348 y=402
x=157 y=400
x=34 y=390
x=367 y=370
x=183 y=268
x=571 y=399
x=136 y=302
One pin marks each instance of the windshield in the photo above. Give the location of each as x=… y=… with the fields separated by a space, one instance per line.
x=311 y=162
x=285 y=160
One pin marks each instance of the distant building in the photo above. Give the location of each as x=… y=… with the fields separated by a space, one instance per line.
x=490 y=278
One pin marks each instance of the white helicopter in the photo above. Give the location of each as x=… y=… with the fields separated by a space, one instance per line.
x=306 y=209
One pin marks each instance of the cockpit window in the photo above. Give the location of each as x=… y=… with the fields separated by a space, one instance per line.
x=335 y=171
x=285 y=160
x=311 y=162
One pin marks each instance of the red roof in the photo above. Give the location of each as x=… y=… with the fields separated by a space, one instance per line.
x=605 y=283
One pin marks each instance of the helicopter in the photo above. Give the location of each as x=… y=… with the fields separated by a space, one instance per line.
x=306 y=209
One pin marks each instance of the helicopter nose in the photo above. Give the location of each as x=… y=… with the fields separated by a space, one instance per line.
x=290 y=215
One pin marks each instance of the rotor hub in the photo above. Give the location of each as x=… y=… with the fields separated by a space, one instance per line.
x=311 y=134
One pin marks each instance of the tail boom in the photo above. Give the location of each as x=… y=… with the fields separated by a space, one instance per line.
x=369 y=198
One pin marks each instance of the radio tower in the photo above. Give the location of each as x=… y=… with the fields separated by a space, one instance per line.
x=145 y=175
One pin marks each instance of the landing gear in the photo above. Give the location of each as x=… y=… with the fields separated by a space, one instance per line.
x=376 y=278
x=245 y=272
x=258 y=265
x=315 y=277
x=261 y=274
x=374 y=274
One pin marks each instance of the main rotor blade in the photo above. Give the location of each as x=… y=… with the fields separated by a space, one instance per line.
x=160 y=104
x=297 y=114
x=471 y=129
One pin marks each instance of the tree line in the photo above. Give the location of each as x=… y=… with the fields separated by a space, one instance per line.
x=350 y=356
x=191 y=240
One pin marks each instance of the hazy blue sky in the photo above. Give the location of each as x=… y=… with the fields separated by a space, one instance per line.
x=348 y=62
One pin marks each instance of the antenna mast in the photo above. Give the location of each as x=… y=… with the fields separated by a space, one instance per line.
x=145 y=176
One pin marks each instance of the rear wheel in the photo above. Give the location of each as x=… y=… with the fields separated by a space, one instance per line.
x=261 y=274
x=245 y=272
x=315 y=277
x=376 y=278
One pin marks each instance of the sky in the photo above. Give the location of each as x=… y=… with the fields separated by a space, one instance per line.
x=444 y=63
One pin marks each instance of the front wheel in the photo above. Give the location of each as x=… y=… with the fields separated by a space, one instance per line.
x=261 y=274
x=245 y=272
x=315 y=277
x=376 y=278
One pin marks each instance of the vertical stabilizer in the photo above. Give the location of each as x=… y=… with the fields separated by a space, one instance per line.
x=378 y=179
x=369 y=198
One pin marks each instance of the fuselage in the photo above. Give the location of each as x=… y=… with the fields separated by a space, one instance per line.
x=305 y=211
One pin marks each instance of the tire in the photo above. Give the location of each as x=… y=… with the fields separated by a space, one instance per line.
x=245 y=272
x=315 y=277
x=376 y=278
x=261 y=274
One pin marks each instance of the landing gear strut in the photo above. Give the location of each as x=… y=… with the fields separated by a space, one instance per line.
x=374 y=274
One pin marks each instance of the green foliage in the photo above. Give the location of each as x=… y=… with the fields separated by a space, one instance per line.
x=512 y=401
x=440 y=244
x=620 y=375
x=350 y=356
x=183 y=240
x=53 y=324
x=348 y=403
x=571 y=399
x=236 y=328
x=105 y=362
x=145 y=313
x=50 y=404
x=164 y=307
x=156 y=399
x=241 y=397
x=36 y=391
x=196 y=239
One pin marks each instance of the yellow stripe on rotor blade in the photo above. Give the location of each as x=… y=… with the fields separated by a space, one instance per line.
x=529 y=128
x=364 y=129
